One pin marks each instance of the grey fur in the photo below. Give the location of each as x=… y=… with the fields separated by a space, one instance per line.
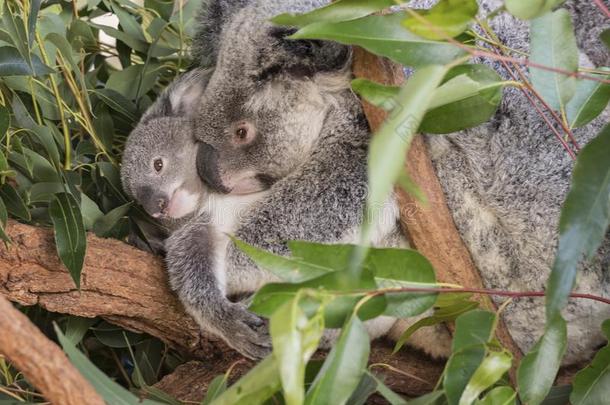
x=309 y=154
x=505 y=182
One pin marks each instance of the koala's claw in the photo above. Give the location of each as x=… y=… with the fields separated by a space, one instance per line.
x=247 y=333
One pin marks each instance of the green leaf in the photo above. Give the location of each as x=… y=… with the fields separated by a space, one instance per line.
x=493 y=367
x=384 y=36
x=558 y=395
x=528 y=9
x=605 y=37
x=215 y=389
x=3 y=222
x=553 y=44
x=446 y=18
x=343 y=368
x=396 y=268
x=288 y=269
x=14 y=203
x=77 y=327
x=584 y=219
x=13 y=64
x=103 y=226
x=590 y=100
x=591 y=383
x=273 y=295
x=295 y=338
x=383 y=390
x=134 y=80
x=445 y=314
x=499 y=396
x=70 y=236
x=258 y=385
x=472 y=331
x=90 y=210
x=377 y=94
x=343 y=10
x=469 y=96
x=539 y=367
x=32 y=17
x=110 y=391
x=388 y=148
x=428 y=399
x=5 y=121
x=118 y=103
x=115 y=337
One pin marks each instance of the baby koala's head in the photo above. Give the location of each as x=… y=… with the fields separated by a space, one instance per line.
x=158 y=168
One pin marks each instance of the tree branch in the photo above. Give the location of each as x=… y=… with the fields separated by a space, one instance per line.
x=128 y=287
x=43 y=363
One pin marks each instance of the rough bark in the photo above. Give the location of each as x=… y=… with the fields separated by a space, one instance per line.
x=429 y=228
x=42 y=361
x=128 y=287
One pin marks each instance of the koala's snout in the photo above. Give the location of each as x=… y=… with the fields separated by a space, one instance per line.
x=155 y=203
x=208 y=169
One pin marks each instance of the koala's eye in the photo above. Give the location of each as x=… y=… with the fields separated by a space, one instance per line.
x=244 y=133
x=158 y=165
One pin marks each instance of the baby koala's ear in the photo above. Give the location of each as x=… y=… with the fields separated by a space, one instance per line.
x=181 y=98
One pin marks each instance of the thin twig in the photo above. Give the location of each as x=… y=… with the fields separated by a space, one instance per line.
x=499 y=293
x=485 y=54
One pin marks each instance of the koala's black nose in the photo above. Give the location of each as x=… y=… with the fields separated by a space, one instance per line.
x=207 y=167
x=154 y=202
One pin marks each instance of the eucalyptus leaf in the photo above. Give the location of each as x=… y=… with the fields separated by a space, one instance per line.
x=539 y=367
x=591 y=383
x=295 y=338
x=13 y=202
x=70 y=236
x=584 y=219
x=110 y=391
x=77 y=327
x=447 y=18
x=528 y=9
x=553 y=44
x=590 y=100
x=3 y=222
x=385 y=36
x=343 y=368
x=13 y=64
x=342 y=10
x=104 y=225
x=499 y=396
x=494 y=366
x=472 y=332
x=258 y=385
x=388 y=148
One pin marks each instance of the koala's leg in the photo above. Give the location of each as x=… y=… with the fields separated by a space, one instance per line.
x=195 y=274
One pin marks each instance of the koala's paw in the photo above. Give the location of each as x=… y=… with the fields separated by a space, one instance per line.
x=245 y=332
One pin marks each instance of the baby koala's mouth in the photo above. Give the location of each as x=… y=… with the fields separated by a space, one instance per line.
x=181 y=203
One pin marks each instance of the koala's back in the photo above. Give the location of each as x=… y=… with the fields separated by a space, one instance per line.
x=505 y=182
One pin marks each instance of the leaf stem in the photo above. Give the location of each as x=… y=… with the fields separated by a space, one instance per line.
x=64 y=124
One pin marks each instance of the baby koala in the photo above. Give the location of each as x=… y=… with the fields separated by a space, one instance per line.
x=158 y=168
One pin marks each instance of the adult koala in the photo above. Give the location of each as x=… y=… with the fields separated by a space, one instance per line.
x=276 y=115
x=505 y=182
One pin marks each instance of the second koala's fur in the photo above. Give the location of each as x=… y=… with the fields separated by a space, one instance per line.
x=277 y=115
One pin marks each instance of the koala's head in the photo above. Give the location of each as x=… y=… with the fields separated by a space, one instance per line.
x=265 y=103
x=158 y=167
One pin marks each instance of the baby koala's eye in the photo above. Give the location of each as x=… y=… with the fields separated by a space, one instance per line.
x=244 y=133
x=158 y=165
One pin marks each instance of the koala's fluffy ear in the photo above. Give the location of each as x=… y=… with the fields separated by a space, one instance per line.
x=303 y=58
x=212 y=16
x=181 y=98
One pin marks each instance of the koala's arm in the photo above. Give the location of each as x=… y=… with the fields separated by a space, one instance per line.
x=196 y=275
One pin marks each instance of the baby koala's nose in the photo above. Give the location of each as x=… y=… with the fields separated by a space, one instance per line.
x=162 y=203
